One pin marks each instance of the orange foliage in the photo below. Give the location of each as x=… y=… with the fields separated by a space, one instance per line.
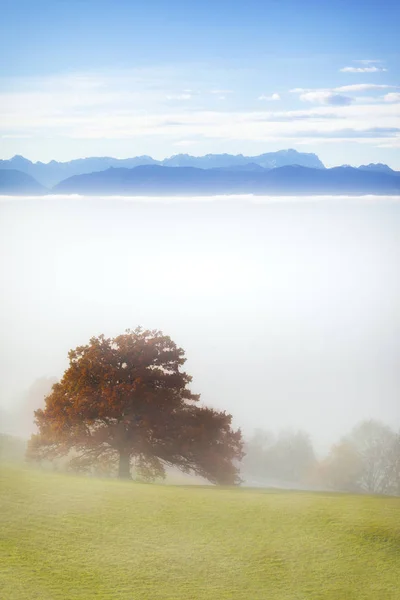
x=127 y=399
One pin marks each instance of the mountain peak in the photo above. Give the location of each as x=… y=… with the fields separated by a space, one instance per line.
x=288 y=151
x=382 y=168
x=20 y=160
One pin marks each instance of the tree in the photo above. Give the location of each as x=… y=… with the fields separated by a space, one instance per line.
x=394 y=466
x=365 y=460
x=342 y=469
x=32 y=399
x=374 y=443
x=293 y=456
x=255 y=463
x=287 y=457
x=126 y=400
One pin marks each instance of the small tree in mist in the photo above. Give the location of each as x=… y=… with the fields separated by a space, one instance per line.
x=286 y=457
x=32 y=399
x=126 y=401
x=394 y=465
x=293 y=456
x=256 y=462
x=365 y=460
x=341 y=469
x=374 y=443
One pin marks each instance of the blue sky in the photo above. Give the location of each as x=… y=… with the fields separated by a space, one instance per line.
x=124 y=78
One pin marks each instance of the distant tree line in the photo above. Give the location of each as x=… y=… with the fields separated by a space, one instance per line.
x=366 y=460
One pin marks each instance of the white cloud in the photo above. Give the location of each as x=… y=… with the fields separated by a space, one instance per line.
x=361 y=87
x=184 y=96
x=392 y=97
x=271 y=98
x=221 y=92
x=325 y=97
x=184 y=143
x=392 y=143
x=368 y=61
x=324 y=123
x=126 y=107
x=16 y=136
x=335 y=96
x=366 y=69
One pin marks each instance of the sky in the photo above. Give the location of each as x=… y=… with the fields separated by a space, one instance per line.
x=127 y=78
x=287 y=309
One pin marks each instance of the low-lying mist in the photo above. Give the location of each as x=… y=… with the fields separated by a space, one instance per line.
x=288 y=310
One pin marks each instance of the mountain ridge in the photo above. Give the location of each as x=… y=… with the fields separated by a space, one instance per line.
x=53 y=172
x=250 y=178
x=17 y=183
x=287 y=180
x=377 y=167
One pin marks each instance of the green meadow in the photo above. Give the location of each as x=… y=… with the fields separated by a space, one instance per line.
x=67 y=537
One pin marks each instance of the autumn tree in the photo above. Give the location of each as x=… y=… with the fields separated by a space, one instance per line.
x=126 y=400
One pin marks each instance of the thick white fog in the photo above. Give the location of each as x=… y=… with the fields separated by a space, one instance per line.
x=288 y=309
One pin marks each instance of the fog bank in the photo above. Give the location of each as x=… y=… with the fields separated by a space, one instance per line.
x=288 y=309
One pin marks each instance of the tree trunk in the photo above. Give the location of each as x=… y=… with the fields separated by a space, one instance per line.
x=124 y=468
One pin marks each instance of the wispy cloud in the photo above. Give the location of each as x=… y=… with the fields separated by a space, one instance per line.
x=183 y=96
x=15 y=136
x=392 y=97
x=366 y=68
x=326 y=97
x=350 y=133
x=361 y=87
x=369 y=61
x=134 y=106
x=271 y=98
x=335 y=97
x=221 y=92
x=184 y=143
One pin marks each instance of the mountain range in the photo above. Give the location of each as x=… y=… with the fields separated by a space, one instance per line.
x=13 y=182
x=288 y=180
x=49 y=174
x=232 y=175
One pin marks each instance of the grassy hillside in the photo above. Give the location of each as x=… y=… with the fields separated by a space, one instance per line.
x=65 y=537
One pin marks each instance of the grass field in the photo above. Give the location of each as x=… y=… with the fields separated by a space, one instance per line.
x=65 y=537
